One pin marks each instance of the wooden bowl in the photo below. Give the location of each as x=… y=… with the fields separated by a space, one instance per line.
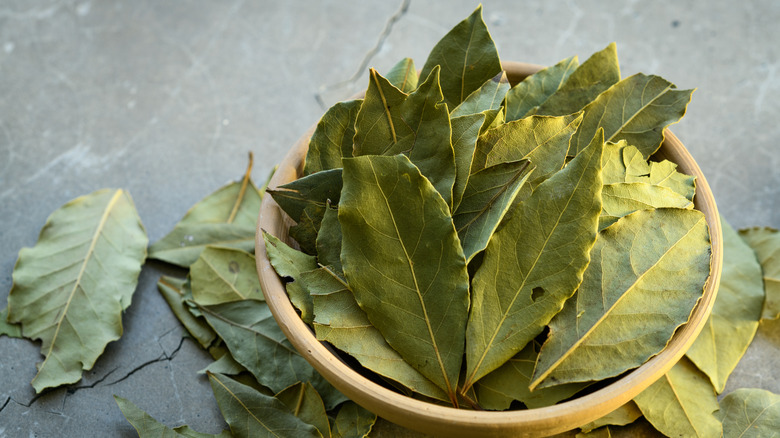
x=450 y=422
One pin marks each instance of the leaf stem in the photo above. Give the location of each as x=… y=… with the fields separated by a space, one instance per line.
x=242 y=191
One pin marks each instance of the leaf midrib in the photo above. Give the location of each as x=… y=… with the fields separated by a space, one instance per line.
x=246 y=408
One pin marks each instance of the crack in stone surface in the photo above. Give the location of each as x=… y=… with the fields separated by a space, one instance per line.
x=5 y=403
x=163 y=357
x=402 y=10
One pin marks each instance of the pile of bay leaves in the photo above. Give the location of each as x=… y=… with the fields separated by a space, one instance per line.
x=464 y=241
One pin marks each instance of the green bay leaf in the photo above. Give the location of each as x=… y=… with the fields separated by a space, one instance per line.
x=485 y=98
x=288 y=262
x=591 y=78
x=534 y=90
x=681 y=403
x=316 y=189
x=224 y=274
x=226 y=217
x=339 y=320
x=308 y=227
x=486 y=199
x=403 y=75
x=171 y=289
x=250 y=413
x=332 y=138
x=353 y=421
x=766 y=244
x=403 y=261
x=734 y=318
x=467 y=56
x=621 y=199
x=148 y=427
x=465 y=131
x=70 y=289
x=636 y=109
x=509 y=382
x=626 y=414
x=258 y=344
x=533 y=264
x=750 y=412
x=633 y=296
x=417 y=125
x=305 y=403
x=329 y=241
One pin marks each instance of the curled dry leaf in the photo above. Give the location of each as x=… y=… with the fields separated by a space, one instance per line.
x=766 y=243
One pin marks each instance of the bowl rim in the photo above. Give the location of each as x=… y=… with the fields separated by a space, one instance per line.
x=448 y=421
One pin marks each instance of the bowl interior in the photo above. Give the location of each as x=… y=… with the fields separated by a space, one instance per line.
x=446 y=421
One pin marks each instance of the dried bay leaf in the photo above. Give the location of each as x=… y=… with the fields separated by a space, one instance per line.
x=621 y=199
x=171 y=290
x=316 y=189
x=339 y=320
x=250 y=413
x=329 y=241
x=7 y=328
x=591 y=78
x=636 y=109
x=647 y=271
x=734 y=319
x=626 y=414
x=497 y=390
x=486 y=199
x=305 y=403
x=749 y=412
x=224 y=274
x=332 y=138
x=485 y=98
x=681 y=403
x=224 y=365
x=534 y=90
x=353 y=421
x=288 y=262
x=533 y=264
x=226 y=217
x=394 y=225
x=766 y=243
x=403 y=75
x=70 y=289
x=308 y=227
x=467 y=56
x=257 y=343
x=465 y=131
x=417 y=125
x=542 y=140
x=148 y=427
x=602 y=432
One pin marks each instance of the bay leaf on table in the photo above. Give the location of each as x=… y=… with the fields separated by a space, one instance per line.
x=626 y=414
x=148 y=427
x=403 y=75
x=226 y=365
x=226 y=217
x=681 y=403
x=534 y=90
x=332 y=138
x=339 y=320
x=465 y=131
x=588 y=80
x=417 y=125
x=353 y=421
x=621 y=199
x=305 y=403
x=533 y=264
x=509 y=382
x=224 y=274
x=403 y=261
x=171 y=290
x=624 y=163
x=646 y=273
x=488 y=195
x=288 y=262
x=7 y=328
x=259 y=345
x=316 y=189
x=250 y=413
x=734 y=319
x=766 y=243
x=467 y=56
x=750 y=412
x=636 y=109
x=70 y=289
x=487 y=97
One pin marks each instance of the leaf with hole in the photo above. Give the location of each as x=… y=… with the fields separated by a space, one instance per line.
x=224 y=274
x=70 y=289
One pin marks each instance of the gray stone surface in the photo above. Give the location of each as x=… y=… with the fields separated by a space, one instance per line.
x=165 y=99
